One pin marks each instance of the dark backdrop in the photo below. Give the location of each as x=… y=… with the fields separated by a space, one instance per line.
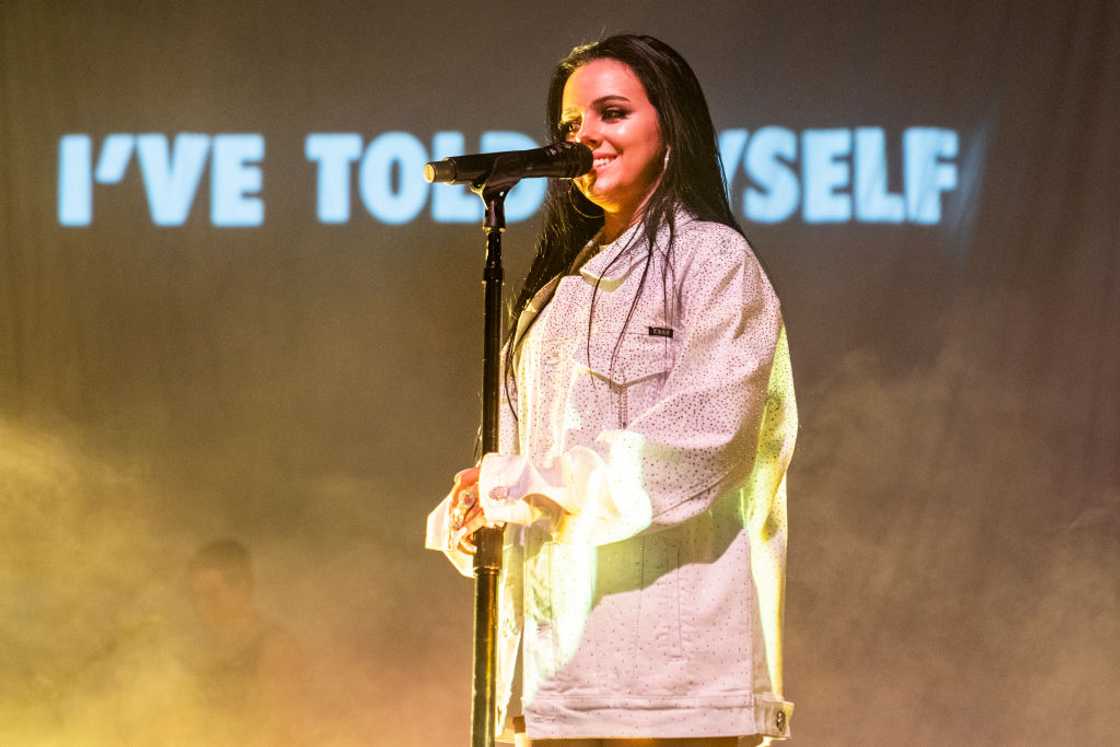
x=309 y=388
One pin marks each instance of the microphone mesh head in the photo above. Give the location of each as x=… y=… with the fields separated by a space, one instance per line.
x=582 y=159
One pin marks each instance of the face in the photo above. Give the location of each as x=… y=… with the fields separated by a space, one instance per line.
x=605 y=107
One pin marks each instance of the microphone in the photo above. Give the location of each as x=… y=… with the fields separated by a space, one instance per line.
x=560 y=160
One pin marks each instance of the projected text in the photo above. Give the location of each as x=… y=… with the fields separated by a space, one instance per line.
x=774 y=174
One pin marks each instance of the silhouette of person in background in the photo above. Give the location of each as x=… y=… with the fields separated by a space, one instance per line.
x=251 y=672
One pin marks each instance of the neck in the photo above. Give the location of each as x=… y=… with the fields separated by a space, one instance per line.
x=615 y=224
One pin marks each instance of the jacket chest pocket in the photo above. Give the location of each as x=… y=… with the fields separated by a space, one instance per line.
x=631 y=372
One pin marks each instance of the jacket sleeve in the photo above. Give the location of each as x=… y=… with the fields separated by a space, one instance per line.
x=698 y=439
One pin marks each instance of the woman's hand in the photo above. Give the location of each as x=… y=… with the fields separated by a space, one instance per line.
x=466 y=512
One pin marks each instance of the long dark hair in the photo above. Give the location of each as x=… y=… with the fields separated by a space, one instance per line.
x=692 y=178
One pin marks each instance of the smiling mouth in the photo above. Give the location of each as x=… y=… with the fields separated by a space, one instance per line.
x=603 y=161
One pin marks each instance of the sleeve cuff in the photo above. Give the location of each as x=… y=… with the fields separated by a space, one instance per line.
x=439 y=537
x=513 y=491
x=576 y=494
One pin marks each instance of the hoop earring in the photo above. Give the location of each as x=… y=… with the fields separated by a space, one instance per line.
x=575 y=203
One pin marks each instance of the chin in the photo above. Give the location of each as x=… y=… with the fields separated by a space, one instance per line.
x=593 y=197
x=600 y=197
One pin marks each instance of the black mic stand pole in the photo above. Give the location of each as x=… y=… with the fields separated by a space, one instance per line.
x=488 y=557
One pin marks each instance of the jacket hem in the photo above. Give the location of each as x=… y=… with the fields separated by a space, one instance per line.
x=670 y=718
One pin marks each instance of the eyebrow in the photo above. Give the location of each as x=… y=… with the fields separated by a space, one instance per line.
x=599 y=102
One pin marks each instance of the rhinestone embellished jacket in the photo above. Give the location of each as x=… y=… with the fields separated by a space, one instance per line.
x=643 y=488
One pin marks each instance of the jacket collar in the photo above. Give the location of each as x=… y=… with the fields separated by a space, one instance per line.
x=611 y=266
x=629 y=249
x=532 y=309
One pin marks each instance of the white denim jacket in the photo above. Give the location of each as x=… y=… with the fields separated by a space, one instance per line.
x=643 y=488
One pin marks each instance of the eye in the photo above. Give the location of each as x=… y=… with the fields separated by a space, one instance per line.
x=613 y=113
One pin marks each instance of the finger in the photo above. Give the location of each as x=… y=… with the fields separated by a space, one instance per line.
x=462 y=540
x=475 y=522
x=467 y=496
x=471 y=515
x=462 y=544
x=465 y=477
x=462 y=504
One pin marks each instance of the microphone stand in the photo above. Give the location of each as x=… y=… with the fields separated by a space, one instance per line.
x=488 y=541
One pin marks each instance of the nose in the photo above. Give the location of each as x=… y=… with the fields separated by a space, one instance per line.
x=588 y=132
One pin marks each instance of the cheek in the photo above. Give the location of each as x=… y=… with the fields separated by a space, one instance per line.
x=645 y=144
x=646 y=168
